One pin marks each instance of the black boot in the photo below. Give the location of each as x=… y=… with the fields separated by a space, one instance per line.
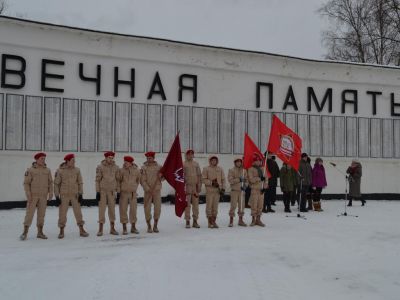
x=350 y=202
x=269 y=209
x=363 y=202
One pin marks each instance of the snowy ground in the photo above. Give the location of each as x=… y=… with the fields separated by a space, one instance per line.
x=323 y=257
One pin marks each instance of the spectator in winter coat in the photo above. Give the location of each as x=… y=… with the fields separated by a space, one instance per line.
x=270 y=195
x=288 y=185
x=305 y=173
x=355 y=173
x=318 y=182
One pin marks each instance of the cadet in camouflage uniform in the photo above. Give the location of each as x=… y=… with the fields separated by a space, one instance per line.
x=106 y=187
x=38 y=185
x=192 y=188
x=151 y=182
x=128 y=182
x=237 y=178
x=68 y=189
x=258 y=187
x=214 y=180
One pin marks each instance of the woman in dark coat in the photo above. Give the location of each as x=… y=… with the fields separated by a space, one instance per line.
x=318 y=182
x=355 y=173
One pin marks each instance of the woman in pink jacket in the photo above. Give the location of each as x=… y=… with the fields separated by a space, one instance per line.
x=318 y=182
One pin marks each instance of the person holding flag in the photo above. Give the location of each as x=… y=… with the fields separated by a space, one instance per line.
x=214 y=180
x=173 y=172
x=151 y=178
x=192 y=188
x=273 y=175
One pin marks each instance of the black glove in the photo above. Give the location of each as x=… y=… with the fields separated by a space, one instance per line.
x=98 y=196
x=80 y=198
x=243 y=188
x=241 y=179
x=58 y=201
x=215 y=183
x=118 y=196
x=263 y=191
x=262 y=178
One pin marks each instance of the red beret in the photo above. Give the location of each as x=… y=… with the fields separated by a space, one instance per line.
x=68 y=157
x=109 y=153
x=39 y=155
x=150 y=154
x=189 y=151
x=128 y=159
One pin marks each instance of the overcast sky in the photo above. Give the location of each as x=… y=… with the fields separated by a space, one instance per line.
x=289 y=27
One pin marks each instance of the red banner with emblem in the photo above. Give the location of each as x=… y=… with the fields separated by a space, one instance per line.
x=285 y=143
x=172 y=171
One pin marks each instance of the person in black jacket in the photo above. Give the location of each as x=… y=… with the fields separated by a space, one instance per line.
x=270 y=195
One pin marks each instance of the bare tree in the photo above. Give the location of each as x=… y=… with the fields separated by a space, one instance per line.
x=366 y=31
x=3 y=6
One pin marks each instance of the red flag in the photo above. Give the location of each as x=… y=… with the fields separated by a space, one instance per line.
x=250 y=150
x=285 y=143
x=172 y=171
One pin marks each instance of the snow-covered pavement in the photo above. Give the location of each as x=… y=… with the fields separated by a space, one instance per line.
x=323 y=257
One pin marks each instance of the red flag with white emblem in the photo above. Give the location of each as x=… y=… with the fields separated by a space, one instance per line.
x=285 y=143
x=172 y=171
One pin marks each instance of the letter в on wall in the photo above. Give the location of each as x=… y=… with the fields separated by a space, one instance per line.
x=33 y=123
x=16 y=74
